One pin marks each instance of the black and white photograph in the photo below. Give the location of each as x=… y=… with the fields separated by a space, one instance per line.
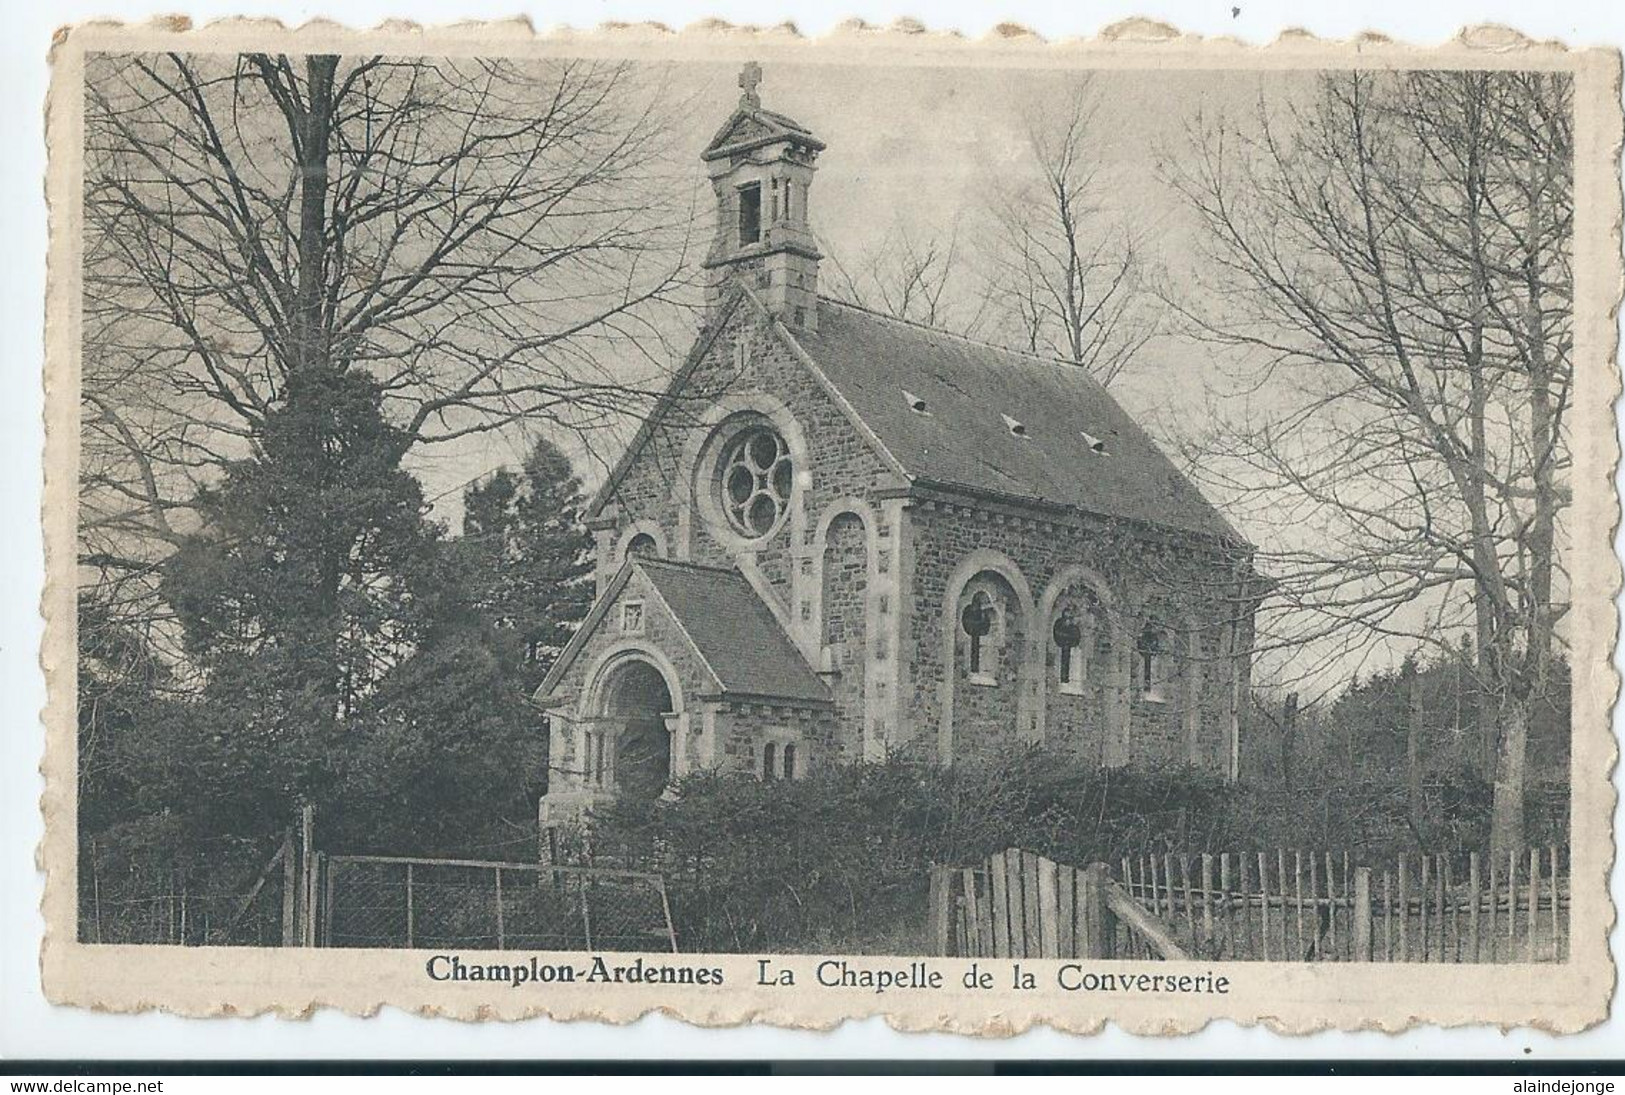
x=627 y=509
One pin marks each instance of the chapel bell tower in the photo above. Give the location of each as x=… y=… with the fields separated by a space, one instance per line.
x=761 y=167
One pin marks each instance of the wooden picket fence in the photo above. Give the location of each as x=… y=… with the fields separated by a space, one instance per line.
x=1281 y=905
x=1018 y=904
x=1299 y=906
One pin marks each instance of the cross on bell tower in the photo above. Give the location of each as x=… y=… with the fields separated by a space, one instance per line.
x=761 y=168
x=749 y=78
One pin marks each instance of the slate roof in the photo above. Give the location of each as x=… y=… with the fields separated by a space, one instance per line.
x=734 y=632
x=972 y=393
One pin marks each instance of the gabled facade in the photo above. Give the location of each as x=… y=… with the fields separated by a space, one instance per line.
x=841 y=535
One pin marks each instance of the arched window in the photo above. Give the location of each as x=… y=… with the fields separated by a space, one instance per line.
x=750 y=213
x=642 y=545
x=1082 y=637
x=1150 y=662
x=770 y=766
x=1068 y=636
x=789 y=760
x=978 y=619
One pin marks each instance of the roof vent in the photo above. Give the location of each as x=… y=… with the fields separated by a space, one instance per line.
x=1095 y=443
x=915 y=403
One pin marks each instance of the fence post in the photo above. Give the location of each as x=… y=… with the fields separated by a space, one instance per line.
x=1093 y=913
x=307 y=876
x=1474 y=884
x=937 y=923
x=1557 y=932
x=502 y=938
x=290 y=891
x=996 y=888
x=586 y=914
x=313 y=930
x=326 y=937
x=409 y=924
x=1049 y=909
x=96 y=891
x=1362 y=914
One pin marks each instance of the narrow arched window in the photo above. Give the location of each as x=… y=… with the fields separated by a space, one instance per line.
x=750 y=213
x=1068 y=636
x=1150 y=651
x=977 y=620
x=770 y=761
x=789 y=760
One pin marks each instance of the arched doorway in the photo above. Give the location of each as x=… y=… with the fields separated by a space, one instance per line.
x=633 y=706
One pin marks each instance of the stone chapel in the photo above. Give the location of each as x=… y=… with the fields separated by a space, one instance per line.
x=841 y=535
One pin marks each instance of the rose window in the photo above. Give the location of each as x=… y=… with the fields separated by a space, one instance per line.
x=756 y=476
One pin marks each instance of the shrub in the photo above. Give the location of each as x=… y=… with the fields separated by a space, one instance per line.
x=836 y=862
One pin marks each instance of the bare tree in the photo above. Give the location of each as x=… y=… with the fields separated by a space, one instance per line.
x=491 y=240
x=910 y=276
x=1391 y=262
x=1064 y=273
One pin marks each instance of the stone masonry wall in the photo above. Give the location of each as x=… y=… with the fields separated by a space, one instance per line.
x=661 y=632
x=745 y=360
x=845 y=608
x=1141 y=575
x=747 y=366
x=743 y=729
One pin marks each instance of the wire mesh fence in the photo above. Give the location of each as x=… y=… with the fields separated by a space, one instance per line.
x=180 y=917
x=383 y=901
x=230 y=895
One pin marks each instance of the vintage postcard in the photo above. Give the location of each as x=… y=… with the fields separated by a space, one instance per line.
x=986 y=534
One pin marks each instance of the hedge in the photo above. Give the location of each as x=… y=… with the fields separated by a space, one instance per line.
x=837 y=861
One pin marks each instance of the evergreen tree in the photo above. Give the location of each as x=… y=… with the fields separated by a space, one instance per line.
x=452 y=757
x=353 y=657
x=529 y=559
x=314 y=573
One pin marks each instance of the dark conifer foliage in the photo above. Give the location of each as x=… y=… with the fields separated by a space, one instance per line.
x=312 y=576
x=349 y=659
x=528 y=557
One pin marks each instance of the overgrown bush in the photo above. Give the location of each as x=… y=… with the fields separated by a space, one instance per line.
x=837 y=862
